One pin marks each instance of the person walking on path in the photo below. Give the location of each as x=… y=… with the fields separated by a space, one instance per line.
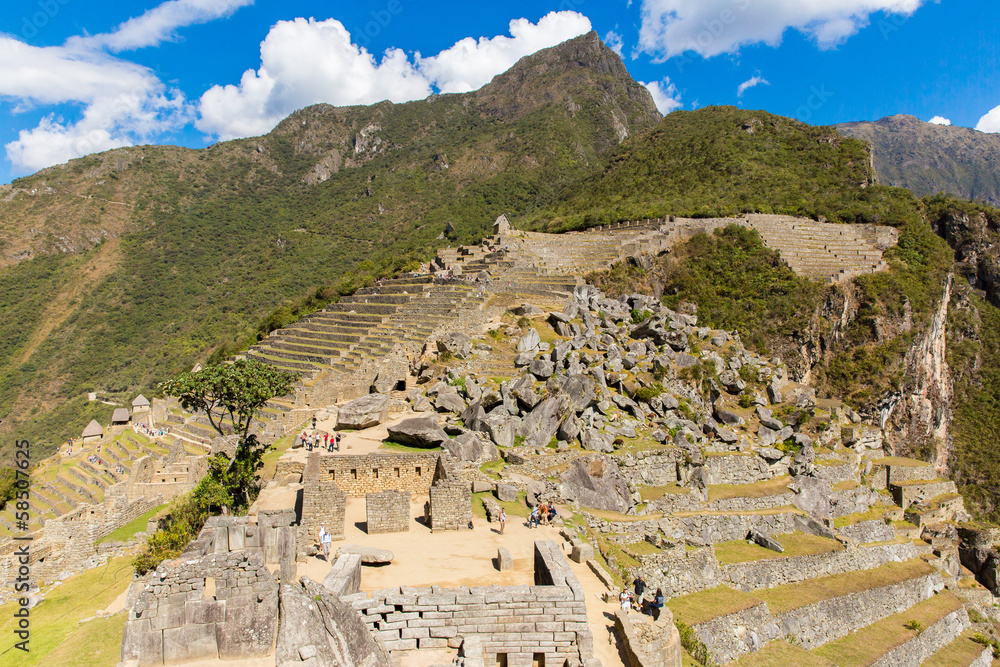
x=657 y=604
x=327 y=543
x=626 y=599
x=503 y=519
x=533 y=519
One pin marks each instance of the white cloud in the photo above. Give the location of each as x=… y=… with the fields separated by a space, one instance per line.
x=614 y=42
x=939 y=120
x=305 y=62
x=990 y=122
x=755 y=80
x=469 y=64
x=121 y=102
x=160 y=23
x=712 y=27
x=665 y=95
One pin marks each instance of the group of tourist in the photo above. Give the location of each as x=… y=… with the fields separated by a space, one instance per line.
x=543 y=513
x=634 y=599
x=142 y=427
x=94 y=458
x=326 y=441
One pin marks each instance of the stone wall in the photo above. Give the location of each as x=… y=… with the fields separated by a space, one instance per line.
x=896 y=474
x=679 y=571
x=914 y=652
x=518 y=622
x=357 y=475
x=712 y=528
x=734 y=635
x=202 y=606
x=837 y=472
x=451 y=500
x=153 y=478
x=745 y=504
x=875 y=530
x=647 y=643
x=388 y=512
x=771 y=572
x=736 y=469
x=656 y=468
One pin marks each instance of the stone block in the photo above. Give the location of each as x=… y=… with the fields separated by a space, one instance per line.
x=506 y=492
x=505 y=561
x=203 y=612
x=582 y=552
x=189 y=643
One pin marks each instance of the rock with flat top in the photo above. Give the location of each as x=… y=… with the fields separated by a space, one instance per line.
x=369 y=555
x=363 y=412
x=418 y=432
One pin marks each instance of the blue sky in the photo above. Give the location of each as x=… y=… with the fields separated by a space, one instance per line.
x=80 y=76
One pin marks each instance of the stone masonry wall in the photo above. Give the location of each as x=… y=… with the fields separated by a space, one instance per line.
x=388 y=512
x=772 y=572
x=518 y=622
x=736 y=469
x=914 y=652
x=875 y=530
x=202 y=606
x=368 y=473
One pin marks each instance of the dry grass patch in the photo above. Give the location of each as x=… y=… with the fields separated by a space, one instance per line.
x=899 y=461
x=782 y=654
x=608 y=515
x=656 y=492
x=713 y=603
x=784 y=509
x=641 y=548
x=769 y=487
x=795 y=544
x=795 y=596
x=869 y=644
x=846 y=485
x=959 y=653
x=858 y=517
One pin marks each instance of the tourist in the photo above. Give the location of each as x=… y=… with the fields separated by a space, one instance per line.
x=327 y=542
x=543 y=513
x=552 y=514
x=626 y=599
x=503 y=519
x=322 y=534
x=640 y=587
x=657 y=604
x=337 y=442
x=533 y=519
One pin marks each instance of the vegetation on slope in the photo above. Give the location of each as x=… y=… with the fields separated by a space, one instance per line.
x=214 y=248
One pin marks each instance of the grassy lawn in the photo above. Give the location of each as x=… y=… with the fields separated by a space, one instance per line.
x=769 y=487
x=795 y=544
x=869 y=644
x=56 y=636
x=492 y=468
x=706 y=605
x=517 y=507
x=129 y=529
x=959 y=653
x=782 y=654
x=280 y=447
x=794 y=596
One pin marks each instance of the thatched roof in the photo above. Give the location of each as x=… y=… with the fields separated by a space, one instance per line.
x=140 y=402
x=93 y=428
x=120 y=415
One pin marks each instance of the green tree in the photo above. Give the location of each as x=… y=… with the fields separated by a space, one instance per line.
x=237 y=390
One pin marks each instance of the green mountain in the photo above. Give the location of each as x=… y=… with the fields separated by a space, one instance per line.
x=120 y=269
x=929 y=159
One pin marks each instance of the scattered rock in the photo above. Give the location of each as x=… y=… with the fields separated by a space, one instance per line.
x=458 y=344
x=363 y=412
x=529 y=341
x=369 y=555
x=418 y=432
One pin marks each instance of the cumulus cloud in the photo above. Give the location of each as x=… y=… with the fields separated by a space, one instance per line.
x=305 y=62
x=990 y=122
x=160 y=23
x=665 y=95
x=470 y=64
x=939 y=120
x=614 y=42
x=713 y=27
x=121 y=102
x=755 y=80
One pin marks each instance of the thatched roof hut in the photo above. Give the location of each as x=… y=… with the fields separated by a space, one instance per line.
x=140 y=403
x=93 y=431
x=120 y=416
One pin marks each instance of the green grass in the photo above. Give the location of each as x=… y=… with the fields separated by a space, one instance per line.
x=780 y=653
x=517 y=507
x=959 y=653
x=858 y=517
x=795 y=544
x=657 y=492
x=136 y=525
x=712 y=603
x=869 y=644
x=794 y=596
x=56 y=637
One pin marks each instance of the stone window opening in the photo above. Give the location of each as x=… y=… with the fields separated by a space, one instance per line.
x=333 y=474
x=397 y=472
x=417 y=469
x=501 y=660
x=354 y=473
x=375 y=472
